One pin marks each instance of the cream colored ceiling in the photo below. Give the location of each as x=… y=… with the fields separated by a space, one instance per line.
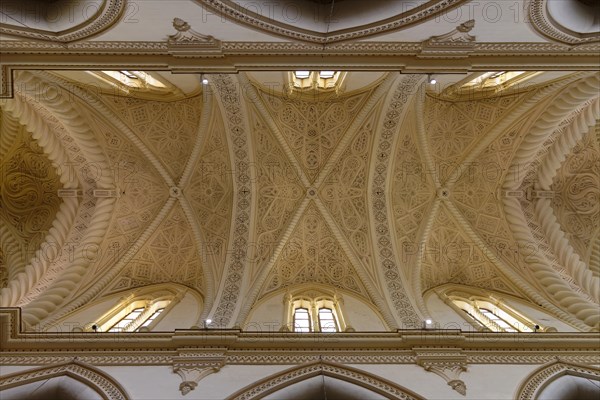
x=385 y=191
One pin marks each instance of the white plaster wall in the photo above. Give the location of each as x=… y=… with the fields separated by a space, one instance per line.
x=494 y=382
x=266 y=316
x=161 y=383
x=360 y=316
x=182 y=316
x=84 y=316
x=539 y=316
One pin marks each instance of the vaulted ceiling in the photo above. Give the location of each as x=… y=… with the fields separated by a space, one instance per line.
x=387 y=191
x=386 y=187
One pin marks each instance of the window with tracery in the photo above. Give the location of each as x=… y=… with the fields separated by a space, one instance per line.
x=315 y=314
x=489 y=315
x=316 y=80
x=134 y=79
x=137 y=318
x=495 y=81
x=133 y=315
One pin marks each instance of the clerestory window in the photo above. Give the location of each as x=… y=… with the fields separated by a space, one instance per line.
x=315 y=314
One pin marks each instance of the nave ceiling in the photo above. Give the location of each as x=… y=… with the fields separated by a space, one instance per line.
x=238 y=189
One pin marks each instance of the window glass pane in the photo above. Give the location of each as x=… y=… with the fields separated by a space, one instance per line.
x=302 y=74
x=499 y=321
x=327 y=320
x=326 y=74
x=473 y=318
x=151 y=318
x=126 y=320
x=301 y=320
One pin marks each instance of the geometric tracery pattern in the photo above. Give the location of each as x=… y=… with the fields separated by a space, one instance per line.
x=167 y=128
x=344 y=191
x=454 y=126
x=170 y=255
x=279 y=187
x=475 y=193
x=141 y=193
x=449 y=256
x=312 y=255
x=412 y=189
x=210 y=192
x=313 y=129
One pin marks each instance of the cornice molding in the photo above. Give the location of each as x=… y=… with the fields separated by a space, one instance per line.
x=104 y=18
x=363 y=49
x=260 y=348
x=238 y=13
x=236 y=56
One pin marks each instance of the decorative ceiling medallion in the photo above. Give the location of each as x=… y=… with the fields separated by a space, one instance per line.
x=549 y=25
x=71 y=21
x=299 y=30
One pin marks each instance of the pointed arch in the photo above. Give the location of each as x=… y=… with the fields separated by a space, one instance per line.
x=91 y=376
x=539 y=379
x=299 y=373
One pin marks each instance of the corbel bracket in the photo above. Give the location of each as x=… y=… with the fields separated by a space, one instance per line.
x=194 y=364
x=447 y=363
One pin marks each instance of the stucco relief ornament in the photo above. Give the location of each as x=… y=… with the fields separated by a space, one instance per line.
x=186 y=42
x=456 y=43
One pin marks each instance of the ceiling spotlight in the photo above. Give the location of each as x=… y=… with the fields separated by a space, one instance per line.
x=204 y=80
x=428 y=321
x=208 y=321
x=432 y=80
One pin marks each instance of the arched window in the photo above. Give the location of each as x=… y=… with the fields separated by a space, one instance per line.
x=489 y=314
x=138 y=318
x=314 y=312
x=137 y=313
x=316 y=80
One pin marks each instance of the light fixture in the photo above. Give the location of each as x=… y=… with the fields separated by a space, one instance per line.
x=431 y=79
x=204 y=80
x=427 y=323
